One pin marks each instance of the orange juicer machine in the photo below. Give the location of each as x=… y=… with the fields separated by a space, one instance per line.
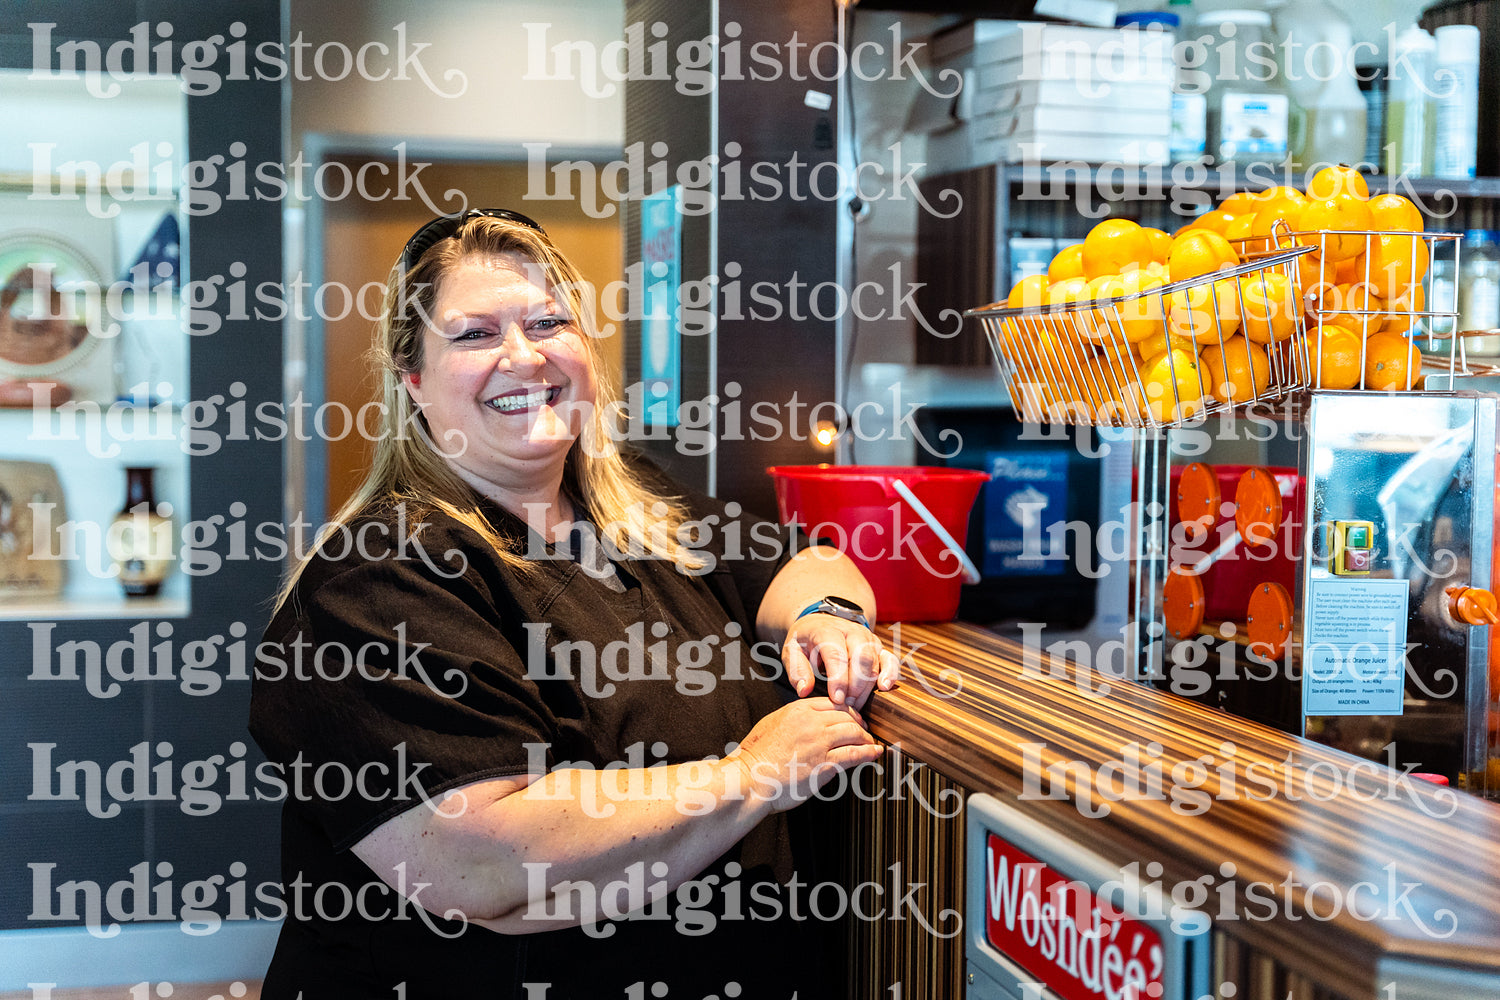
x=1367 y=625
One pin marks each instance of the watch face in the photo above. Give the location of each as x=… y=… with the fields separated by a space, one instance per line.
x=845 y=604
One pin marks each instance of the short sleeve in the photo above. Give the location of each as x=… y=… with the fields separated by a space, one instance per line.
x=381 y=685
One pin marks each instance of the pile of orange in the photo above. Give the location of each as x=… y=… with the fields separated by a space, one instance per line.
x=1088 y=360
x=1166 y=353
x=1361 y=284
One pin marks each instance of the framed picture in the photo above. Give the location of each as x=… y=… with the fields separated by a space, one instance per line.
x=56 y=341
x=23 y=484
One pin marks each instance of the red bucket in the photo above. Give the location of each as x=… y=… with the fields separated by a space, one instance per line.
x=914 y=575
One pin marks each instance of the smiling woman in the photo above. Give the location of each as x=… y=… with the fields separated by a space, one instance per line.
x=506 y=381
x=488 y=816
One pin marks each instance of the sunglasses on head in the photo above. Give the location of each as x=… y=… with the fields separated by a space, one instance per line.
x=445 y=226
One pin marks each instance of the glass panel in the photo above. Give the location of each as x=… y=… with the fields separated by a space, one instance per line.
x=1397 y=496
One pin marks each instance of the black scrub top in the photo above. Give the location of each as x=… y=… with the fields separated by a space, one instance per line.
x=407 y=663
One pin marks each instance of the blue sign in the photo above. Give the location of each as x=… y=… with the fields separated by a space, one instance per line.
x=1027 y=492
x=661 y=332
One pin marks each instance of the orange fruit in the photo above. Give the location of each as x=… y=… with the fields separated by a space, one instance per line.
x=1311 y=270
x=1335 y=359
x=1347 y=272
x=1171 y=386
x=1101 y=388
x=1218 y=220
x=1014 y=346
x=1041 y=361
x=1391 y=211
x=1237 y=372
x=1161 y=244
x=1243 y=202
x=1332 y=182
x=1066 y=263
x=1067 y=290
x=1114 y=245
x=1239 y=229
x=1198 y=252
x=1015 y=342
x=1143 y=315
x=1069 y=330
x=1396 y=261
x=1105 y=286
x=1205 y=313
x=1357 y=307
x=1034 y=394
x=1280 y=205
x=1028 y=293
x=1268 y=306
x=1390 y=361
x=1325 y=306
x=1399 y=310
x=1148 y=350
x=1333 y=225
x=1097 y=325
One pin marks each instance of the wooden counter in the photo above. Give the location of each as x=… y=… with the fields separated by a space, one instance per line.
x=970 y=702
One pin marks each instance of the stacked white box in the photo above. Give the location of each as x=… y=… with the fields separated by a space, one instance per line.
x=1050 y=92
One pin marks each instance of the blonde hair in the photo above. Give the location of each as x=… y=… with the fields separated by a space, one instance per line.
x=408 y=468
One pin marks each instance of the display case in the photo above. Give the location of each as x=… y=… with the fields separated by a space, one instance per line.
x=94 y=341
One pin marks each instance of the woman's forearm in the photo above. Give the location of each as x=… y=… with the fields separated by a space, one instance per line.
x=810 y=575
x=597 y=839
x=513 y=854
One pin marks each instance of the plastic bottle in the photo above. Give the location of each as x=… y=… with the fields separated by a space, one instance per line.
x=1185 y=141
x=1248 y=110
x=1479 y=290
x=1442 y=295
x=1456 y=145
x=1409 y=116
x=1159 y=39
x=1189 y=104
x=1318 y=72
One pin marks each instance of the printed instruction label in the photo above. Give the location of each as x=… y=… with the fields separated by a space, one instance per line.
x=1254 y=124
x=1354 y=649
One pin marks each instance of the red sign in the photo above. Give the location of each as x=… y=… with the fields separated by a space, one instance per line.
x=1079 y=947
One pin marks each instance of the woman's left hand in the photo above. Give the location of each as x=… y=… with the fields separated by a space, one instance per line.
x=844 y=653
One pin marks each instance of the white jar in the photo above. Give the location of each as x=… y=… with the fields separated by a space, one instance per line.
x=1456 y=144
x=1248 y=109
x=1409 y=114
x=1479 y=291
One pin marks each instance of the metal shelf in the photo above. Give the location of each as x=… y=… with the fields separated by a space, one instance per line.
x=1225 y=180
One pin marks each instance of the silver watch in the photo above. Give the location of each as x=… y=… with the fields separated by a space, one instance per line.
x=839 y=607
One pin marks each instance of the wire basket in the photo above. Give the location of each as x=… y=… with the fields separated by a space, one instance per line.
x=1372 y=305
x=1161 y=356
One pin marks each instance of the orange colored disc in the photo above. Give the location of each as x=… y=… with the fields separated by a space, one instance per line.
x=1257 y=507
x=1182 y=603
x=1269 y=619
x=1198 y=494
x=1473 y=606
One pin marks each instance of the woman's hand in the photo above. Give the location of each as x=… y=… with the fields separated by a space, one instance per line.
x=844 y=653
x=795 y=750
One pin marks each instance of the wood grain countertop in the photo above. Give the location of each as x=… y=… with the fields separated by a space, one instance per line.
x=1284 y=836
